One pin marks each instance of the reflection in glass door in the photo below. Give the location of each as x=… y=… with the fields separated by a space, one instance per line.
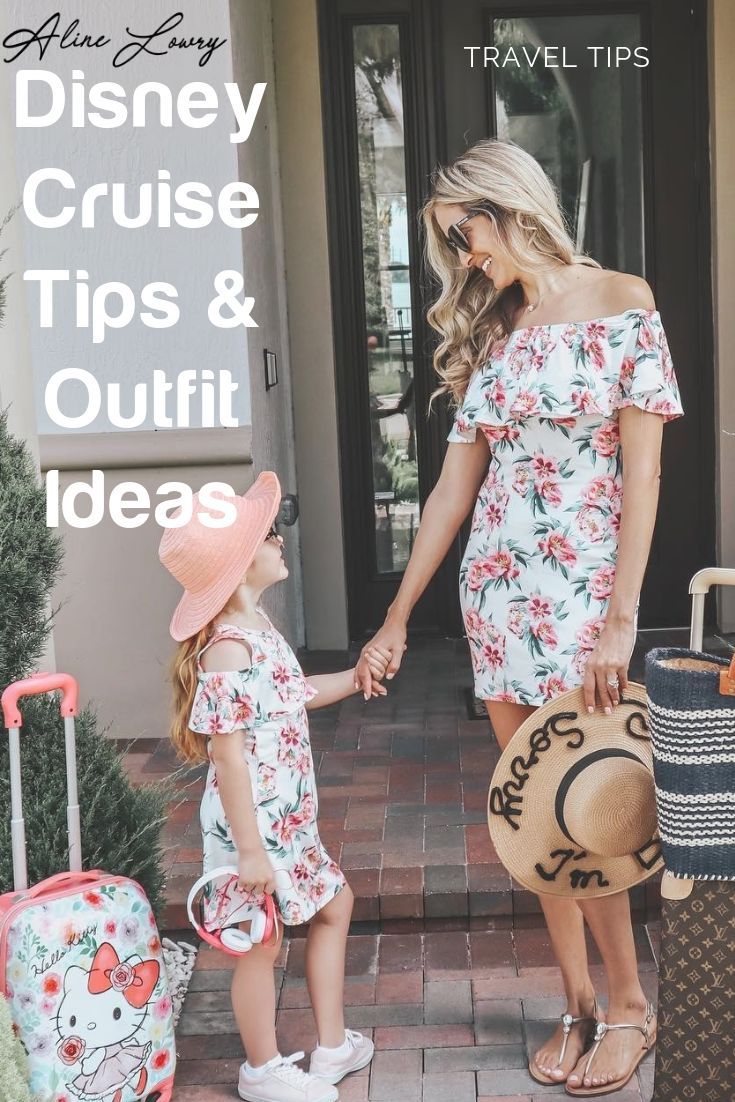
x=583 y=123
x=387 y=292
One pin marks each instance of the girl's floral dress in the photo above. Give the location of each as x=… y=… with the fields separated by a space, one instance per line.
x=268 y=702
x=538 y=571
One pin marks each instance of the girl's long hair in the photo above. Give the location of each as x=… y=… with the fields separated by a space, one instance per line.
x=470 y=315
x=190 y=746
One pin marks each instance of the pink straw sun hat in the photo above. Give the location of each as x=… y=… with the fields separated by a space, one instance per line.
x=210 y=562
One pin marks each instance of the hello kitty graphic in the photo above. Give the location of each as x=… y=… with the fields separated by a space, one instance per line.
x=100 y=1013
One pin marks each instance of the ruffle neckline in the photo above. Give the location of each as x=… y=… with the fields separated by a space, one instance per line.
x=564 y=370
x=634 y=311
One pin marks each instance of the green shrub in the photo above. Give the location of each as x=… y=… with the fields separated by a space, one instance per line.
x=4 y=278
x=13 y=1066
x=3 y=282
x=30 y=559
x=404 y=473
x=121 y=825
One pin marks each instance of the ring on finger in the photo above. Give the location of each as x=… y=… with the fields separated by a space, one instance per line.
x=612 y=680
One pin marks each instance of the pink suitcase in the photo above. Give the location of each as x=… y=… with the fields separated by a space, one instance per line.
x=80 y=957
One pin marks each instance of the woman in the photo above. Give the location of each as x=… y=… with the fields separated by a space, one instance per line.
x=564 y=369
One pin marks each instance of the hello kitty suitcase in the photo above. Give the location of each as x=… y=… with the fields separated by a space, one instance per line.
x=80 y=957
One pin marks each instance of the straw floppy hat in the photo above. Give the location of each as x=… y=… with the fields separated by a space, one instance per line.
x=571 y=807
x=210 y=562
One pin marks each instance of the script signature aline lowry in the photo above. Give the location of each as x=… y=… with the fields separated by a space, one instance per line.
x=156 y=43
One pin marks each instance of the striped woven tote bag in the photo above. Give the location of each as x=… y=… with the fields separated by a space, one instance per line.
x=691 y=709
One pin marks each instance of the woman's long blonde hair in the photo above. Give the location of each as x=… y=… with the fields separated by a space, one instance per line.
x=189 y=745
x=469 y=314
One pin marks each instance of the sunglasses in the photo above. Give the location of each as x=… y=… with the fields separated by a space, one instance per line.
x=273 y=533
x=457 y=241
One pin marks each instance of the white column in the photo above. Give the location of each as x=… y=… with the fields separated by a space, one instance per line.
x=16 y=376
x=16 y=373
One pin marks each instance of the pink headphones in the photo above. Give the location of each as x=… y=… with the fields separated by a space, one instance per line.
x=263 y=918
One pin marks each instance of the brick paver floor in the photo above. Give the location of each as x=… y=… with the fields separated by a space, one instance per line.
x=453 y=1016
x=449 y=967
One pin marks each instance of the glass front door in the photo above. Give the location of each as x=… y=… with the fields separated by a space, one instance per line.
x=626 y=148
x=386 y=267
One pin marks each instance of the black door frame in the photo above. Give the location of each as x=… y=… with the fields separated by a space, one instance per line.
x=438 y=610
x=425 y=97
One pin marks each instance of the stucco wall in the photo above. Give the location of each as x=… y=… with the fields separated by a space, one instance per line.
x=16 y=378
x=264 y=266
x=115 y=599
x=301 y=144
x=722 y=84
x=187 y=258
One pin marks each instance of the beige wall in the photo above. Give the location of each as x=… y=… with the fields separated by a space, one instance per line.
x=264 y=269
x=115 y=600
x=16 y=377
x=129 y=156
x=301 y=147
x=722 y=108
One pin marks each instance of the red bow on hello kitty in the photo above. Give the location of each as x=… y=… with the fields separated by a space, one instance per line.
x=134 y=981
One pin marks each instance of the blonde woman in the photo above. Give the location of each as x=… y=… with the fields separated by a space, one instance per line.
x=562 y=381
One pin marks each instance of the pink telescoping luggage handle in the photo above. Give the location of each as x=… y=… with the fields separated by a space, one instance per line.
x=35 y=685
x=65 y=879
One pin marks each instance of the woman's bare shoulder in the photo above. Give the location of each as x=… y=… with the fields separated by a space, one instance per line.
x=621 y=291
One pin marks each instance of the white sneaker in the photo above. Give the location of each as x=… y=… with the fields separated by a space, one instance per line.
x=332 y=1065
x=284 y=1082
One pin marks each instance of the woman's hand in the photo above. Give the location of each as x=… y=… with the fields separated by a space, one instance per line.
x=377 y=659
x=381 y=656
x=607 y=662
x=255 y=872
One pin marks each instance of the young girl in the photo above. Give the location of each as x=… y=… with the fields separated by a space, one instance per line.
x=240 y=701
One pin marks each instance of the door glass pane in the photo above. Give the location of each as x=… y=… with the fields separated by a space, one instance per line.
x=581 y=122
x=385 y=258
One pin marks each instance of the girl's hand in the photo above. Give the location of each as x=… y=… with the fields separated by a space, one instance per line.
x=609 y=660
x=255 y=872
x=385 y=649
x=376 y=663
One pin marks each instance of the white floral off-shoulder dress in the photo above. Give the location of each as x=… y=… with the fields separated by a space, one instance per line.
x=538 y=571
x=268 y=702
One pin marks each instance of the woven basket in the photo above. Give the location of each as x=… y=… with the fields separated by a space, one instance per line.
x=691 y=707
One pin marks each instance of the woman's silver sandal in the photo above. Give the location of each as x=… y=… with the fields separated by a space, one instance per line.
x=601 y=1031
x=567 y=1021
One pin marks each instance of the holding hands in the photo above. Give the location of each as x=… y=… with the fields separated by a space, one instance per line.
x=606 y=671
x=380 y=658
